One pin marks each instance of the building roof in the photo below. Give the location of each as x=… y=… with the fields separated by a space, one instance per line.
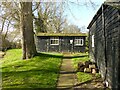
x=112 y=1
x=61 y=34
x=99 y=12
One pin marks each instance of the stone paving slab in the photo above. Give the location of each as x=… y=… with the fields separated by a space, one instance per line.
x=66 y=80
x=67 y=65
x=67 y=77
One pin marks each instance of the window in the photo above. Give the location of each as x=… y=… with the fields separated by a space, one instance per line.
x=79 y=42
x=71 y=41
x=92 y=40
x=54 y=41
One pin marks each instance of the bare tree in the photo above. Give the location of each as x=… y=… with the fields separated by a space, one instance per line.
x=21 y=18
x=9 y=17
x=71 y=29
x=50 y=17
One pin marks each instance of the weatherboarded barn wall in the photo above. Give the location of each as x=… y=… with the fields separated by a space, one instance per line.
x=104 y=43
x=63 y=43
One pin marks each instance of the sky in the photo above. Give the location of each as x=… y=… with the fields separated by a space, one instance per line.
x=81 y=15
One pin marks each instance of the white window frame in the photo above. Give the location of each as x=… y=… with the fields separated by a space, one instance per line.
x=54 y=39
x=93 y=42
x=79 y=40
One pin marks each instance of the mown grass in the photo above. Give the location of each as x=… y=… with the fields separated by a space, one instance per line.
x=82 y=77
x=81 y=57
x=38 y=72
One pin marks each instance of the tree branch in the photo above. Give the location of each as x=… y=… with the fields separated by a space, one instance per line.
x=36 y=6
x=2 y=26
x=7 y=30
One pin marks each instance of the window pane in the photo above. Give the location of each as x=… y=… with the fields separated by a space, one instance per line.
x=54 y=40
x=92 y=40
x=79 y=42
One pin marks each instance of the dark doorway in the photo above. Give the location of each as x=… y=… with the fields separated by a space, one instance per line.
x=66 y=45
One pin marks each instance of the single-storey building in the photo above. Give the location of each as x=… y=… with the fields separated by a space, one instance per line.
x=60 y=42
x=104 y=42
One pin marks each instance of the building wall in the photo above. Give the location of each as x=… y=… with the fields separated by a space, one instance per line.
x=91 y=49
x=65 y=44
x=106 y=29
x=112 y=27
x=80 y=48
x=43 y=44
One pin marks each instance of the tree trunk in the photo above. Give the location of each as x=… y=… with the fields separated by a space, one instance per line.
x=26 y=26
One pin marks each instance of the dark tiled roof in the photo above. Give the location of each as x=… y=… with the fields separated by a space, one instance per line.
x=99 y=12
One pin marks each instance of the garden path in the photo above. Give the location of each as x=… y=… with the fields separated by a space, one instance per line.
x=67 y=78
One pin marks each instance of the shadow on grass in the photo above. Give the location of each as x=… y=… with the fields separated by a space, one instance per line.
x=25 y=76
x=31 y=79
x=60 y=56
x=70 y=57
x=49 y=55
x=43 y=71
x=29 y=88
x=43 y=74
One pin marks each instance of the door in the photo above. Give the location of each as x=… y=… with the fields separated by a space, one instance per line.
x=65 y=44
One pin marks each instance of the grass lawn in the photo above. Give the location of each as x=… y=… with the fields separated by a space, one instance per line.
x=38 y=72
x=83 y=77
x=81 y=57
